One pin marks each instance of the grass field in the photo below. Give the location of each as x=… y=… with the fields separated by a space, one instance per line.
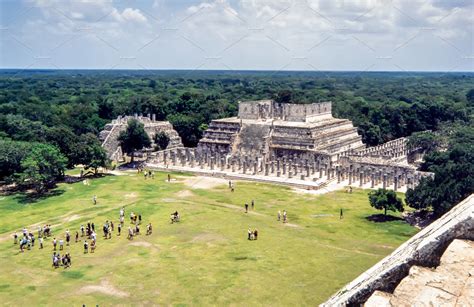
x=205 y=259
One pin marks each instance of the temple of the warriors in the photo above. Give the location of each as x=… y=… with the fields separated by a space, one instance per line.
x=111 y=131
x=300 y=145
x=270 y=131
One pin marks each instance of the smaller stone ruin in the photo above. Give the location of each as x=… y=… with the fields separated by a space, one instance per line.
x=111 y=131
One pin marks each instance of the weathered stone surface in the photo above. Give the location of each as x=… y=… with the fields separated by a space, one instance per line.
x=379 y=299
x=424 y=249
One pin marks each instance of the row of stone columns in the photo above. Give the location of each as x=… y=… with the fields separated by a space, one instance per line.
x=357 y=174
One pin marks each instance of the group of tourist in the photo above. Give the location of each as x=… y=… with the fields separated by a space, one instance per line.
x=284 y=216
x=247 y=206
x=87 y=231
x=175 y=217
x=64 y=260
x=252 y=235
x=28 y=239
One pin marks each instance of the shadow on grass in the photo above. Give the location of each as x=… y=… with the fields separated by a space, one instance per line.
x=29 y=198
x=380 y=218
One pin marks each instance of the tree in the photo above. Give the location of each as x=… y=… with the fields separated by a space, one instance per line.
x=425 y=140
x=134 y=138
x=285 y=96
x=11 y=155
x=42 y=166
x=90 y=152
x=161 y=140
x=382 y=199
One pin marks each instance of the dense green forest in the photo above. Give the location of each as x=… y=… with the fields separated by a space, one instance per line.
x=67 y=109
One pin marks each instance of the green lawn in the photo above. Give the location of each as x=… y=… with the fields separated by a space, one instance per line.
x=205 y=259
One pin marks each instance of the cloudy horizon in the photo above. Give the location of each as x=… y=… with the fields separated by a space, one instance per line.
x=340 y=35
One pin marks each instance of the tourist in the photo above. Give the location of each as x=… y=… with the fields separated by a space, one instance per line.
x=148 y=229
x=32 y=238
x=93 y=227
x=86 y=247
x=145 y=175
x=169 y=177
x=54 y=243
x=77 y=236
x=82 y=230
x=23 y=242
x=279 y=215
x=68 y=237
x=25 y=231
x=122 y=211
x=93 y=246
x=340 y=214
x=137 y=229
x=246 y=208
x=255 y=234
x=230 y=184
x=249 y=233
x=284 y=216
x=253 y=205
x=122 y=220
x=61 y=244
x=111 y=226
x=139 y=219
x=130 y=233
x=41 y=242
x=152 y=173
x=94 y=199
x=15 y=238
x=119 y=229
x=40 y=230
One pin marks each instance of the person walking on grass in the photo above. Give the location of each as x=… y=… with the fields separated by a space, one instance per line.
x=253 y=205
x=279 y=215
x=54 y=243
x=341 y=215
x=94 y=199
x=246 y=208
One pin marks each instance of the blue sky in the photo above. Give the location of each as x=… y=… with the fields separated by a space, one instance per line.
x=362 y=35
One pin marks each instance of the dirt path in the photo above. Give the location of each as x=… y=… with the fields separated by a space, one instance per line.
x=105 y=287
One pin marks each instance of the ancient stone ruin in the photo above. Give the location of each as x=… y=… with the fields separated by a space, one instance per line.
x=300 y=145
x=111 y=131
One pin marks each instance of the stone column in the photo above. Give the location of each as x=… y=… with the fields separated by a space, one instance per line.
x=395 y=183
x=372 y=180
x=266 y=169
x=361 y=176
x=350 y=174
x=384 y=181
x=244 y=167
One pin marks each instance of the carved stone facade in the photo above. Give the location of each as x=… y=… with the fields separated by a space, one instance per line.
x=111 y=131
x=274 y=131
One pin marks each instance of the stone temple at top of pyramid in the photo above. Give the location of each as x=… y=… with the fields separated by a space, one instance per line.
x=266 y=128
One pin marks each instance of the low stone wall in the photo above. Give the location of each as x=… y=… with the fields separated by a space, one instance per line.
x=423 y=249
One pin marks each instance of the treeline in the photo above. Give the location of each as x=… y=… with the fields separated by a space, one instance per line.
x=383 y=105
